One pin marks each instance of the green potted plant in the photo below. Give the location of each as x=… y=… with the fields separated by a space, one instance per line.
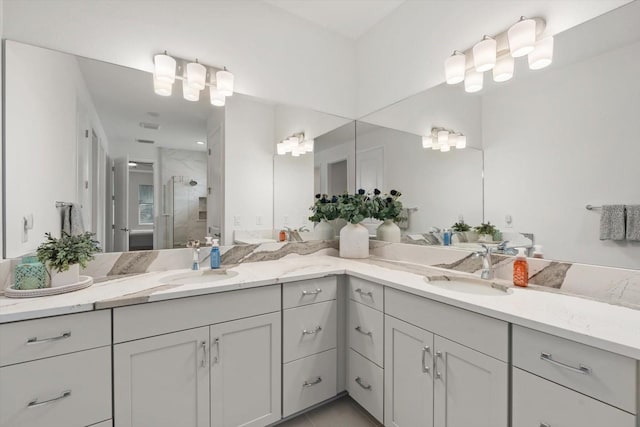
x=354 y=237
x=487 y=231
x=324 y=209
x=464 y=230
x=64 y=256
x=387 y=208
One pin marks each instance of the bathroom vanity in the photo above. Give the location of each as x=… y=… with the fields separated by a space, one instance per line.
x=283 y=336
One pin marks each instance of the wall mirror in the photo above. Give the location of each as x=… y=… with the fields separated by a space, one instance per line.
x=554 y=140
x=149 y=172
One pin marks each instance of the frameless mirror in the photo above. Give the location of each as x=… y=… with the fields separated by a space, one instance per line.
x=554 y=141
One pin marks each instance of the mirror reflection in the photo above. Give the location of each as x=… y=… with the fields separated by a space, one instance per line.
x=554 y=141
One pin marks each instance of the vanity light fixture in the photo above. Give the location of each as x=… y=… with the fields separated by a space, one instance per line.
x=296 y=144
x=195 y=77
x=443 y=139
x=497 y=53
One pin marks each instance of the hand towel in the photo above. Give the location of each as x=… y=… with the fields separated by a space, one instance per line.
x=72 y=223
x=633 y=222
x=612 y=224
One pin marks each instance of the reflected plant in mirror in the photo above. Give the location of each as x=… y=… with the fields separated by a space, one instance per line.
x=387 y=208
x=324 y=210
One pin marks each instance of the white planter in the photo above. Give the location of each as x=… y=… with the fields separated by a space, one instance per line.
x=72 y=275
x=388 y=231
x=354 y=241
x=471 y=236
x=324 y=230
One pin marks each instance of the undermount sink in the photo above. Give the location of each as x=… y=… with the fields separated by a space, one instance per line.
x=468 y=285
x=198 y=277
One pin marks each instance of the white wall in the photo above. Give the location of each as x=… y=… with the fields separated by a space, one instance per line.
x=273 y=54
x=248 y=153
x=559 y=142
x=335 y=147
x=41 y=160
x=1 y=116
x=442 y=186
x=404 y=54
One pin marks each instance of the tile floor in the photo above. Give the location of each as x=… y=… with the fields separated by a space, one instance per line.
x=344 y=412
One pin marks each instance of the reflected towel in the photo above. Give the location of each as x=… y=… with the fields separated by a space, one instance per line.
x=612 y=224
x=72 y=220
x=633 y=222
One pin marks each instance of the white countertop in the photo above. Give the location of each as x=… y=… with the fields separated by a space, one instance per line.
x=610 y=327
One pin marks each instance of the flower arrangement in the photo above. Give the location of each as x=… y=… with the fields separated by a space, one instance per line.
x=386 y=206
x=60 y=254
x=324 y=208
x=355 y=208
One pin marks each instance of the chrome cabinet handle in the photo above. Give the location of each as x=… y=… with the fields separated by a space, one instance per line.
x=361 y=384
x=363 y=332
x=363 y=293
x=425 y=350
x=203 y=345
x=35 y=340
x=312 y=332
x=318 y=380
x=545 y=425
x=435 y=364
x=34 y=403
x=216 y=342
x=581 y=369
x=316 y=292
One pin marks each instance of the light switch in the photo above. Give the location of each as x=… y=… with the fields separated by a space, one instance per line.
x=285 y=220
x=259 y=220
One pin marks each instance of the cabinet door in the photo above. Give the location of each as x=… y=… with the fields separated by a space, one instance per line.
x=246 y=372
x=408 y=391
x=163 y=381
x=470 y=388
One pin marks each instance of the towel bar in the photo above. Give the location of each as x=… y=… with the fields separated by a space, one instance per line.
x=591 y=207
x=63 y=204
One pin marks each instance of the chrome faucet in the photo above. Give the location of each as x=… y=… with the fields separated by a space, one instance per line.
x=487 y=265
x=195 y=245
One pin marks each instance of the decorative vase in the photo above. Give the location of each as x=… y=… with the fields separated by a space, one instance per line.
x=324 y=230
x=354 y=241
x=388 y=231
x=72 y=275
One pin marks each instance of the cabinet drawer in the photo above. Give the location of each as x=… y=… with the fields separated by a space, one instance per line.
x=365 y=384
x=69 y=390
x=485 y=334
x=52 y=336
x=366 y=332
x=308 y=330
x=156 y=318
x=309 y=381
x=605 y=376
x=538 y=402
x=367 y=293
x=306 y=292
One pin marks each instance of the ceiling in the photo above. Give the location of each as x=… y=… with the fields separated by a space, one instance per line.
x=350 y=18
x=124 y=97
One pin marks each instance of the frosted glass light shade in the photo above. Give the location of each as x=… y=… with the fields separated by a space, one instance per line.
x=443 y=137
x=542 y=55
x=308 y=145
x=462 y=142
x=224 y=81
x=164 y=68
x=473 y=81
x=435 y=146
x=484 y=55
x=281 y=149
x=427 y=142
x=453 y=139
x=217 y=98
x=454 y=68
x=522 y=37
x=189 y=92
x=503 y=70
x=196 y=75
x=162 y=87
x=296 y=151
x=444 y=148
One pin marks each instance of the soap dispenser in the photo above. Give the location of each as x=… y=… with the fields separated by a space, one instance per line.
x=521 y=269
x=214 y=256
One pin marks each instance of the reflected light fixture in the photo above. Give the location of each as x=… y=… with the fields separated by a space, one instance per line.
x=195 y=77
x=133 y=164
x=498 y=53
x=296 y=144
x=200 y=142
x=443 y=139
x=484 y=54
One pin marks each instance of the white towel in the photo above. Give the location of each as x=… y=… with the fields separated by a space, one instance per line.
x=612 y=222
x=72 y=223
x=633 y=222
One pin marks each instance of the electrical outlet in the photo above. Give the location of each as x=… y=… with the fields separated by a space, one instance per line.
x=237 y=220
x=259 y=220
